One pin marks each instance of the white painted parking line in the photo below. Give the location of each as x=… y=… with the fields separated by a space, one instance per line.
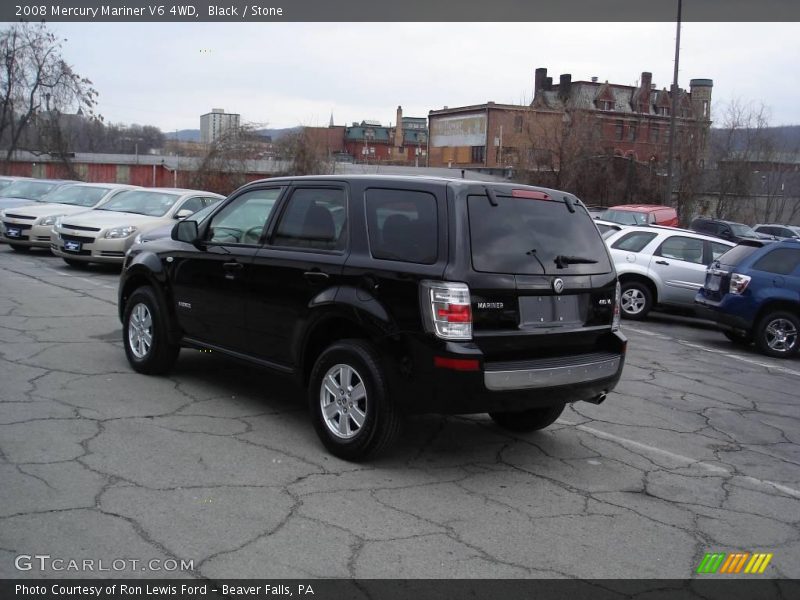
x=68 y=274
x=739 y=357
x=688 y=461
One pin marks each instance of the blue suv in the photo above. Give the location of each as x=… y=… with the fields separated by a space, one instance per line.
x=753 y=293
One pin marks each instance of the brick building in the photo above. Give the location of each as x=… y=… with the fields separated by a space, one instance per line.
x=405 y=143
x=621 y=120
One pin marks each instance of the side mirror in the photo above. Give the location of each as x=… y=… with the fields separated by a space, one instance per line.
x=183 y=213
x=186 y=231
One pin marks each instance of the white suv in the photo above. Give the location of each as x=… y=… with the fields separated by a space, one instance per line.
x=661 y=265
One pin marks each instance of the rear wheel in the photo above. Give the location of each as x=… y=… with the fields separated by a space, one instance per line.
x=636 y=300
x=776 y=334
x=349 y=400
x=528 y=420
x=20 y=248
x=144 y=334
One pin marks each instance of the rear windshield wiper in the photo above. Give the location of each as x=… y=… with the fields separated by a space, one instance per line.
x=562 y=261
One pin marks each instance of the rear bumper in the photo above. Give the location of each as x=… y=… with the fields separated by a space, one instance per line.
x=575 y=370
x=731 y=312
x=513 y=386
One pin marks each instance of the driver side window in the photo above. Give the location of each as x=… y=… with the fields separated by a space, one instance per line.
x=243 y=220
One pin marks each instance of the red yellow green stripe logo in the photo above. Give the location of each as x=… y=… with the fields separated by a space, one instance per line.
x=733 y=563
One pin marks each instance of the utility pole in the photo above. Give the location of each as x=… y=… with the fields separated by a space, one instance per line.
x=673 y=110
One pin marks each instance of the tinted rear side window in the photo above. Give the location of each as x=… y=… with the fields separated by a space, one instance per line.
x=402 y=225
x=531 y=237
x=634 y=241
x=781 y=261
x=314 y=218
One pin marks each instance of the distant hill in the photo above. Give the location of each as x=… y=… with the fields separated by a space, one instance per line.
x=785 y=138
x=193 y=135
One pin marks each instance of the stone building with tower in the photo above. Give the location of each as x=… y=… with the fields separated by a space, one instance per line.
x=630 y=121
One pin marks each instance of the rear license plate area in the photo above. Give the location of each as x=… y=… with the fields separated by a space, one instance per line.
x=549 y=310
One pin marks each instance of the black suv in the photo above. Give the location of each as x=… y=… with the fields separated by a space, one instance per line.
x=727 y=230
x=387 y=296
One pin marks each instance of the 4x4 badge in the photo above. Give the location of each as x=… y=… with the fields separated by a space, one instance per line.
x=558 y=285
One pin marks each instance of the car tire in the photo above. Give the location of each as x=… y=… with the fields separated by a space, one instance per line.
x=348 y=396
x=636 y=300
x=776 y=334
x=20 y=248
x=76 y=264
x=144 y=334
x=740 y=339
x=528 y=420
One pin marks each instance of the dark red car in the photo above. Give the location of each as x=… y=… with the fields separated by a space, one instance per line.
x=641 y=214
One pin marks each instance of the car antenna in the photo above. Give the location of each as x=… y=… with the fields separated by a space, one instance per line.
x=569 y=203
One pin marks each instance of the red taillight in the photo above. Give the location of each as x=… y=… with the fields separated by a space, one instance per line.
x=456 y=364
x=446 y=309
x=454 y=313
x=531 y=194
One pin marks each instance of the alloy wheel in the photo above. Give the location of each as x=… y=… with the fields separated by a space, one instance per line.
x=781 y=335
x=343 y=400
x=140 y=330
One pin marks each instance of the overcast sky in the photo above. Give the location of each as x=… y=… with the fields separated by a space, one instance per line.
x=289 y=74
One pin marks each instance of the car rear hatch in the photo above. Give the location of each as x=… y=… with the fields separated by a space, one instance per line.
x=541 y=281
x=718 y=274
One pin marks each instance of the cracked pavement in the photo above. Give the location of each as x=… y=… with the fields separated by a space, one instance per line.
x=698 y=450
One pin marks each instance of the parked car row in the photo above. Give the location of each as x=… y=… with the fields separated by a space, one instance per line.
x=656 y=214
x=753 y=293
x=89 y=222
x=750 y=289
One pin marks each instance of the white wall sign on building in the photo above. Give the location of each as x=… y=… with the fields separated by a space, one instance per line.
x=468 y=130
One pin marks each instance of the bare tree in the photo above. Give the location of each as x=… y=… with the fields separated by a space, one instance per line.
x=36 y=81
x=224 y=167
x=568 y=151
x=307 y=154
x=753 y=166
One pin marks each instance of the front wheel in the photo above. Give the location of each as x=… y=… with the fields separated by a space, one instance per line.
x=349 y=400
x=144 y=334
x=528 y=420
x=636 y=300
x=76 y=264
x=776 y=334
x=740 y=339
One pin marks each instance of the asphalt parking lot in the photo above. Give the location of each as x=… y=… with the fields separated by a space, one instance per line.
x=698 y=450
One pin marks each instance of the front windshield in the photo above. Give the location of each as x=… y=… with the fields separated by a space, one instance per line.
x=29 y=190
x=742 y=230
x=4 y=183
x=624 y=217
x=77 y=195
x=152 y=204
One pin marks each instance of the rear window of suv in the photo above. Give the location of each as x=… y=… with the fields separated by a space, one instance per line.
x=532 y=237
x=737 y=254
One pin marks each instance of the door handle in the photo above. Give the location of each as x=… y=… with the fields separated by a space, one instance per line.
x=232 y=266
x=316 y=277
x=662 y=262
